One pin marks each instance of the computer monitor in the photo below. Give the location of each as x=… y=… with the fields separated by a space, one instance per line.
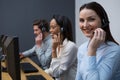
x=0 y=63
x=11 y=46
x=2 y=39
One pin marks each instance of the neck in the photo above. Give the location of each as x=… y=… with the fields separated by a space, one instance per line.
x=61 y=37
x=45 y=34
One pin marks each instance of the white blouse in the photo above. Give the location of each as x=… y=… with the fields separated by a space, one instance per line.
x=64 y=66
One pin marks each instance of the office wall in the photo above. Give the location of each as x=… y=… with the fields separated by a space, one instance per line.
x=16 y=16
x=111 y=7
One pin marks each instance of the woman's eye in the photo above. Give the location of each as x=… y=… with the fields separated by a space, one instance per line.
x=91 y=19
x=52 y=27
x=81 y=20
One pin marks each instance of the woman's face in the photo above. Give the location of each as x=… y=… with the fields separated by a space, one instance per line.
x=89 y=21
x=54 y=27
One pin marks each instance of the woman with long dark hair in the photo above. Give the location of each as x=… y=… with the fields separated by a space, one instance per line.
x=99 y=57
x=64 y=51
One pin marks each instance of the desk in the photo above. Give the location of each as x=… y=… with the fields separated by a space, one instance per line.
x=5 y=76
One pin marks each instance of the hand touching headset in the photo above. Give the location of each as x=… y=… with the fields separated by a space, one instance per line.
x=39 y=39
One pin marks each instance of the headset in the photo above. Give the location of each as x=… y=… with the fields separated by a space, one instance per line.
x=43 y=28
x=105 y=21
x=61 y=29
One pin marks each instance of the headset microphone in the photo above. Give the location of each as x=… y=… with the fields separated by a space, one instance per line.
x=106 y=24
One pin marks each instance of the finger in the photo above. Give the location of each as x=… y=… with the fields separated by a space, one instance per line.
x=95 y=34
x=103 y=34
x=99 y=35
x=41 y=35
x=55 y=38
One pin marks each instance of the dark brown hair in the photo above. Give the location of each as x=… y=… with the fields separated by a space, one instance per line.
x=42 y=24
x=65 y=25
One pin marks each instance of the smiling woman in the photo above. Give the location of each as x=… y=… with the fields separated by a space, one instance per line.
x=98 y=58
x=64 y=51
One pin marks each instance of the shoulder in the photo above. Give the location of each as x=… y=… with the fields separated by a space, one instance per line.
x=112 y=49
x=71 y=44
x=48 y=40
x=84 y=45
x=69 y=47
x=82 y=49
x=111 y=46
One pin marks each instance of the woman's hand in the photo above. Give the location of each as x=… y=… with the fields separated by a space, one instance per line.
x=56 y=43
x=96 y=40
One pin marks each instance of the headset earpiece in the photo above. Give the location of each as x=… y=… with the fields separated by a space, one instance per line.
x=104 y=25
x=61 y=29
x=43 y=28
x=105 y=21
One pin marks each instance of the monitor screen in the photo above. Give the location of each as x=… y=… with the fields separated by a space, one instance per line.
x=11 y=46
x=2 y=40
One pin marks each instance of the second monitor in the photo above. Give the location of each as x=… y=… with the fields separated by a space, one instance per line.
x=11 y=47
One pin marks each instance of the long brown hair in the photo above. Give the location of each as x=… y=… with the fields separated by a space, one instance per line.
x=66 y=26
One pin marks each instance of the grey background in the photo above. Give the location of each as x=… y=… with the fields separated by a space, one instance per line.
x=16 y=17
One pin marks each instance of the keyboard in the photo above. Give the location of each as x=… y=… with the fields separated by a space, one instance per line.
x=35 y=77
x=28 y=67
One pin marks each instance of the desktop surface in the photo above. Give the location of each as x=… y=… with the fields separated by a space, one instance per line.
x=28 y=67
x=24 y=76
x=35 y=77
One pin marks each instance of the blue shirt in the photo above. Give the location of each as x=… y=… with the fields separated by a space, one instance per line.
x=104 y=66
x=43 y=53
